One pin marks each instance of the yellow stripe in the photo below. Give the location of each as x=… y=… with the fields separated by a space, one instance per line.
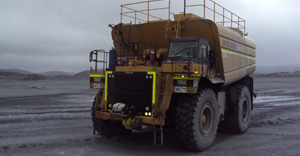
x=185 y=78
x=154 y=85
x=96 y=75
x=237 y=54
x=106 y=73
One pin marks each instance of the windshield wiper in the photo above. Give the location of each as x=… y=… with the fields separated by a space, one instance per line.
x=177 y=57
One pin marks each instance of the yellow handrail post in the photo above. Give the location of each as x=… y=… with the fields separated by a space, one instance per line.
x=214 y=11
x=148 y=11
x=204 y=8
x=121 y=13
x=134 y=16
x=238 y=22
x=184 y=8
x=231 y=20
x=169 y=10
x=223 y=16
x=244 y=27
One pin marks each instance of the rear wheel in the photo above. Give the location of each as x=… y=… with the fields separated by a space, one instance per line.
x=197 y=118
x=238 y=118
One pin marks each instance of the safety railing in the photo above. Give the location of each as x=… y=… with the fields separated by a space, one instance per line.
x=99 y=56
x=128 y=10
x=233 y=20
x=145 y=13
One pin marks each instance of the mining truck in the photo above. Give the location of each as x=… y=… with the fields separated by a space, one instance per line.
x=188 y=71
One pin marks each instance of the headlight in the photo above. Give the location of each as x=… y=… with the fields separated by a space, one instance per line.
x=147 y=108
x=148 y=113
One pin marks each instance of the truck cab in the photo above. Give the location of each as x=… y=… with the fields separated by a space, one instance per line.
x=189 y=49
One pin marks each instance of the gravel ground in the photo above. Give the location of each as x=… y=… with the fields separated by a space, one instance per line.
x=53 y=118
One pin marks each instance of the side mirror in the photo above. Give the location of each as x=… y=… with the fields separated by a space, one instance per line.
x=212 y=59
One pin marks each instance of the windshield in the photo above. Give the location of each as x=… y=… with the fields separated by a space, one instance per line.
x=182 y=49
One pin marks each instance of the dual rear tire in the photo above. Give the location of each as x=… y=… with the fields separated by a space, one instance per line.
x=197 y=117
x=237 y=118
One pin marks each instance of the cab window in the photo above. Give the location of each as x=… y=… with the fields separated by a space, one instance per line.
x=203 y=53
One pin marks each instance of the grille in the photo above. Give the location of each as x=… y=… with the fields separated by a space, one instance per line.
x=134 y=88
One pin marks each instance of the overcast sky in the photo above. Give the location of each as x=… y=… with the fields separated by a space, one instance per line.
x=43 y=35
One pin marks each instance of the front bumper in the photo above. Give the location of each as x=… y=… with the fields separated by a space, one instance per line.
x=119 y=117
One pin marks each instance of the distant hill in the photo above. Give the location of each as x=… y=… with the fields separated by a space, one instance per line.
x=7 y=74
x=56 y=73
x=4 y=73
x=26 y=75
x=15 y=71
x=277 y=69
x=83 y=74
x=33 y=77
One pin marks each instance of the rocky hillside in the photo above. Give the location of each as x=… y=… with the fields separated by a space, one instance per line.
x=10 y=75
x=33 y=77
x=56 y=73
x=19 y=71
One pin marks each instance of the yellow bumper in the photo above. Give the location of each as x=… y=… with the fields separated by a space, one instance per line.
x=120 y=117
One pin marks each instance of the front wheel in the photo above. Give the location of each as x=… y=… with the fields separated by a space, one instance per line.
x=197 y=118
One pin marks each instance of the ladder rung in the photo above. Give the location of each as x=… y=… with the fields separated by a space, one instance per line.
x=158 y=136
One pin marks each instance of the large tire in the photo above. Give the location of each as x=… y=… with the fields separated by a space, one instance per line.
x=238 y=118
x=107 y=128
x=197 y=118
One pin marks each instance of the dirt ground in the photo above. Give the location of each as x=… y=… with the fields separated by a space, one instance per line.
x=53 y=118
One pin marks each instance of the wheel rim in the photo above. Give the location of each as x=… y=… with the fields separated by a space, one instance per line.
x=206 y=119
x=245 y=112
